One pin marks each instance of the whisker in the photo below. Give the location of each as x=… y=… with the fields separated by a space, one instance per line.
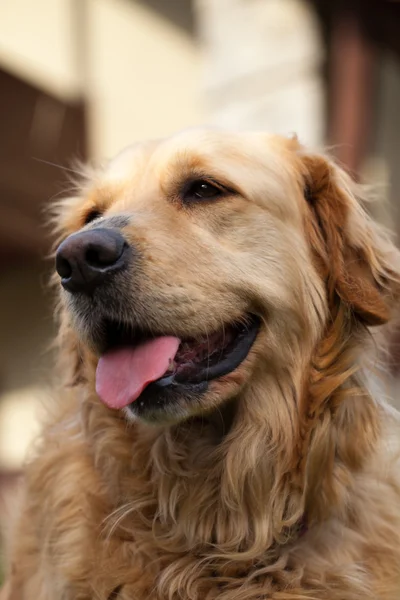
x=52 y=164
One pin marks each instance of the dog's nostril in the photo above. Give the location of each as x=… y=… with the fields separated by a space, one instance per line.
x=100 y=256
x=63 y=267
x=93 y=258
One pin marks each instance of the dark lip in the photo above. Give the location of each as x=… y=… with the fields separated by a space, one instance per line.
x=165 y=395
x=162 y=395
x=232 y=357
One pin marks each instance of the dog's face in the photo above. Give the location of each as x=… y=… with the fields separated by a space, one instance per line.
x=191 y=264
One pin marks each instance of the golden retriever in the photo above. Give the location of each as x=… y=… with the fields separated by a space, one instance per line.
x=213 y=434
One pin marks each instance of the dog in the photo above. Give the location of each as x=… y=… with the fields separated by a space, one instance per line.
x=212 y=431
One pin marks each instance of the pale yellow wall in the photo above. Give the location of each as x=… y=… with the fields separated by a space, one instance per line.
x=37 y=43
x=138 y=71
x=143 y=75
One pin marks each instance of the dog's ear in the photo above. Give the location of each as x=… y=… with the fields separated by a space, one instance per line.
x=358 y=262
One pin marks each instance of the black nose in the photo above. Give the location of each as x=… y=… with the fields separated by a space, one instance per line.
x=87 y=259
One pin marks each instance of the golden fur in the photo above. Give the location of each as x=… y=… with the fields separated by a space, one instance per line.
x=284 y=482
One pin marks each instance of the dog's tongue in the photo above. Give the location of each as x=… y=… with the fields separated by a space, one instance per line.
x=122 y=374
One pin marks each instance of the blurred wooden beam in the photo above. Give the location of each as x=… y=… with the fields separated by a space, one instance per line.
x=353 y=59
x=36 y=129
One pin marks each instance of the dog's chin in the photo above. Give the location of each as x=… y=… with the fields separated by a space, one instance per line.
x=204 y=373
x=170 y=404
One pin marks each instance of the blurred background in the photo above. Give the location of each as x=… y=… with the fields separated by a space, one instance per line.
x=84 y=78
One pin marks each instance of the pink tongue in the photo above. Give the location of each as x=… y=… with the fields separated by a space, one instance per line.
x=123 y=374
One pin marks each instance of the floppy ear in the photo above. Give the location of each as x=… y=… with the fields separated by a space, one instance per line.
x=358 y=262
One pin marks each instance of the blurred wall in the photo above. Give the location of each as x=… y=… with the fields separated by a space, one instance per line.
x=142 y=77
x=38 y=44
x=262 y=66
x=137 y=69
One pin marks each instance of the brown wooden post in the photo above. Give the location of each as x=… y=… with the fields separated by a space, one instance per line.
x=351 y=89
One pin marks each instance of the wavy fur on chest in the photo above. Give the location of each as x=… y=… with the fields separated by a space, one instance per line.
x=180 y=514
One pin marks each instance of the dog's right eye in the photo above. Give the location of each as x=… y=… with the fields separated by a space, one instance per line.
x=201 y=189
x=93 y=214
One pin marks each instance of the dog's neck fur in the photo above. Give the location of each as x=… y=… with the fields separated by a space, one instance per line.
x=225 y=497
x=231 y=485
x=208 y=488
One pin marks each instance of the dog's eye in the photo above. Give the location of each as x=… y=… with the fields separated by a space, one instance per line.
x=91 y=216
x=202 y=190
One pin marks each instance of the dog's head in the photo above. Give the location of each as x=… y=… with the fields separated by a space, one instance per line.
x=192 y=266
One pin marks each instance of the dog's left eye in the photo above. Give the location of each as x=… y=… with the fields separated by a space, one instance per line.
x=202 y=190
x=93 y=214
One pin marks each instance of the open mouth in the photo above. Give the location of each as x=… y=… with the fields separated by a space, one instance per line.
x=133 y=359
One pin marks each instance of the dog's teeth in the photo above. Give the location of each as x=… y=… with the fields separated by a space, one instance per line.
x=172 y=365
